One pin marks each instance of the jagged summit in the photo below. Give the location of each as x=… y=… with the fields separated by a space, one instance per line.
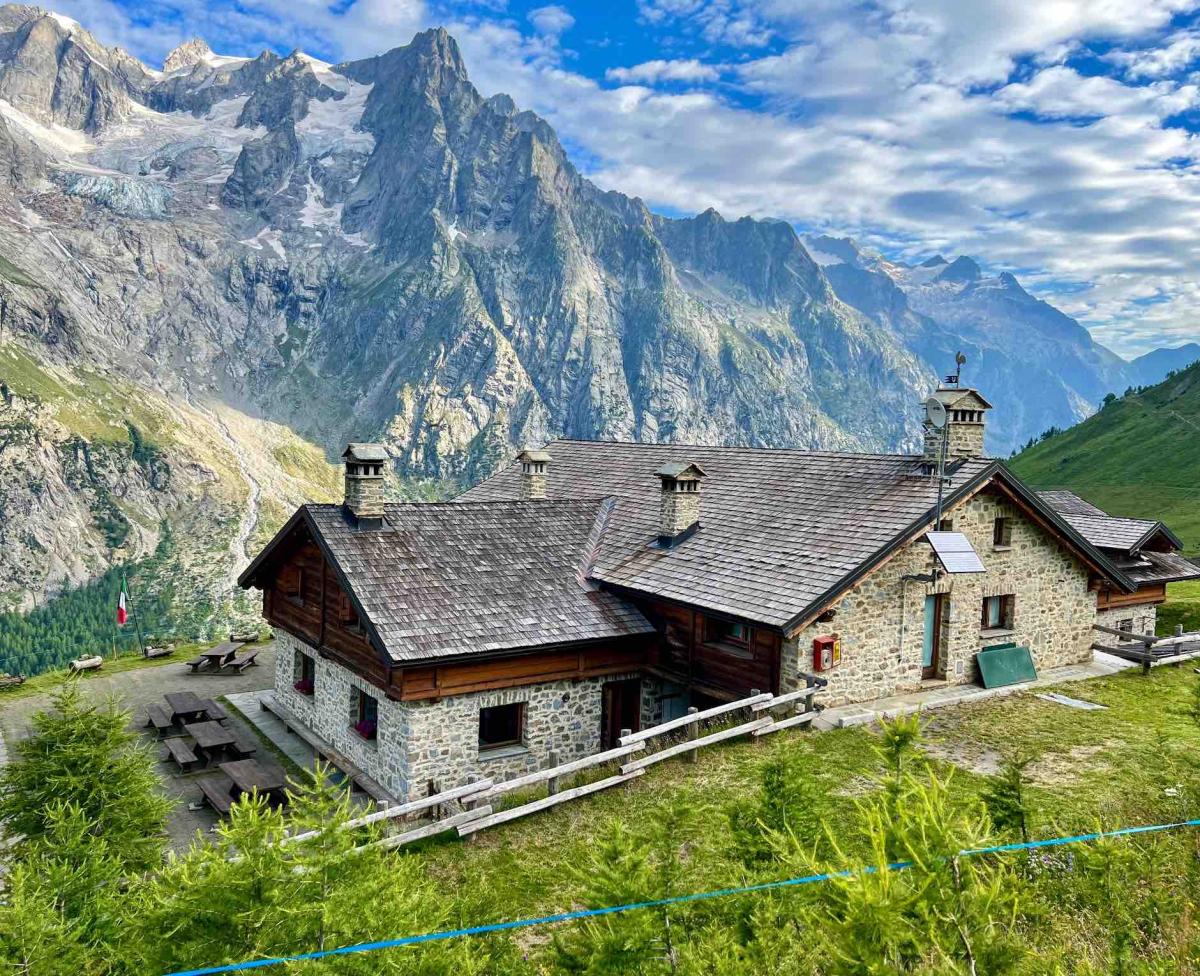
x=187 y=54
x=934 y=262
x=962 y=269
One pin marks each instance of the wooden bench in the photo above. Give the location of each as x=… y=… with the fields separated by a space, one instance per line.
x=181 y=752
x=358 y=779
x=239 y=664
x=197 y=664
x=215 y=792
x=214 y=710
x=93 y=663
x=243 y=745
x=11 y=680
x=153 y=652
x=159 y=718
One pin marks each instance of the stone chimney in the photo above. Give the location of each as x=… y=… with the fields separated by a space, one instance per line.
x=364 y=483
x=533 y=474
x=966 y=422
x=679 y=502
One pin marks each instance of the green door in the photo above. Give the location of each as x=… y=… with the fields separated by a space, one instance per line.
x=931 y=649
x=930 y=630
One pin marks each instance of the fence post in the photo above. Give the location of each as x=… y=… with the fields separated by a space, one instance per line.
x=552 y=783
x=693 y=733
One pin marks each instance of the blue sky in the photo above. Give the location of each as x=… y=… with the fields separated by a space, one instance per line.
x=1053 y=138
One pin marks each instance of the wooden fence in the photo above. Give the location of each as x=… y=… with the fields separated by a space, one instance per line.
x=1148 y=649
x=468 y=809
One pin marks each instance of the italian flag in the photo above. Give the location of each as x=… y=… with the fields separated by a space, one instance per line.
x=122 y=601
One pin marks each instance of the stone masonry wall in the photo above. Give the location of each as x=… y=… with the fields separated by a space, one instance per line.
x=1143 y=615
x=881 y=621
x=417 y=742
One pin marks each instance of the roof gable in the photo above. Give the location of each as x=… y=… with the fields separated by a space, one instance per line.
x=440 y=580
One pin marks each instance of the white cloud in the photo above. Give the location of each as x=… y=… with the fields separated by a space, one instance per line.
x=652 y=72
x=552 y=21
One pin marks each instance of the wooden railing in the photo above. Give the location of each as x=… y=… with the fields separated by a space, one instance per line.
x=467 y=810
x=1148 y=649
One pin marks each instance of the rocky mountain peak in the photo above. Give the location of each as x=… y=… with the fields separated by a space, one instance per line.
x=934 y=262
x=962 y=269
x=187 y=54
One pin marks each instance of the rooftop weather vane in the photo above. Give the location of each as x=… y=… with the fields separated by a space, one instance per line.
x=959 y=359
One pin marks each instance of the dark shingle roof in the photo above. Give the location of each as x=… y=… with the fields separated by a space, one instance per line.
x=1068 y=503
x=779 y=528
x=1161 y=567
x=1107 y=532
x=440 y=580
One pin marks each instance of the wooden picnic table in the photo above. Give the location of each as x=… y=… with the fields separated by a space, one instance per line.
x=220 y=655
x=184 y=706
x=211 y=737
x=249 y=775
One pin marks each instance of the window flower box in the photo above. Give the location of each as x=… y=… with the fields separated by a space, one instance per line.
x=304 y=686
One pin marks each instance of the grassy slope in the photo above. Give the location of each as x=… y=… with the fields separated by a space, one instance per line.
x=1138 y=457
x=1109 y=767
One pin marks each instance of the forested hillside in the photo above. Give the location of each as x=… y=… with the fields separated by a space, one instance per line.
x=1138 y=457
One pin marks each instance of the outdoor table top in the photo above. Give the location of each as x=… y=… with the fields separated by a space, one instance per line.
x=209 y=735
x=221 y=653
x=249 y=774
x=184 y=703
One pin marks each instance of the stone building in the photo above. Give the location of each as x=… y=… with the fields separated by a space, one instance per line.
x=1145 y=550
x=592 y=587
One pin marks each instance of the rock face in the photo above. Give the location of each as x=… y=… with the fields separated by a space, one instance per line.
x=1039 y=367
x=374 y=250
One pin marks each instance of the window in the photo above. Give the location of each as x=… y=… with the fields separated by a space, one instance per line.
x=293 y=586
x=1002 y=533
x=1125 y=625
x=306 y=669
x=998 y=612
x=348 y=616
x=368 y=715
x=726 y=632
x=501 y=725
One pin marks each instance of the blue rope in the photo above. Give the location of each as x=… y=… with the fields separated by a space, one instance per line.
x=525 y=923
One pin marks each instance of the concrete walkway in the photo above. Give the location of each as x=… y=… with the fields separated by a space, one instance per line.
x=862 y=713
x=271 y=726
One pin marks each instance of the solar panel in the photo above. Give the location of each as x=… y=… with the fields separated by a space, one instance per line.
x=955 y=552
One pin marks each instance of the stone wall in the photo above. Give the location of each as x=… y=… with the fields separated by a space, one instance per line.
x=1143 y=615
x=881 y=621
x=419 y=742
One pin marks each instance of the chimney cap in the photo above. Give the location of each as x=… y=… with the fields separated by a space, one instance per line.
x=681 y=471
x=951 y=396
x=365 y=452
x=534 y=457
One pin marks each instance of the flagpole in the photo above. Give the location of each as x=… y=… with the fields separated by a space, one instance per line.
x=133 y=613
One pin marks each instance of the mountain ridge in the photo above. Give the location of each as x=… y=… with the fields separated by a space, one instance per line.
x=310 y=254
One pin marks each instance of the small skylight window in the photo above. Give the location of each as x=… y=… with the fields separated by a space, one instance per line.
x=955 y=552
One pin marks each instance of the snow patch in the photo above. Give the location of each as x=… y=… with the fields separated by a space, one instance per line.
x=315 y=212
x=270 y=237
x=130 y=198
x=56 y=140
x=333 y=123
x=66 y=23
x=356 y=239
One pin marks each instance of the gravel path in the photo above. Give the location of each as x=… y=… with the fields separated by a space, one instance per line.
x=136 y=689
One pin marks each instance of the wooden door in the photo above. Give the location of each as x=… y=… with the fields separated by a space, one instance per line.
x=621 y=708
x=931 y=647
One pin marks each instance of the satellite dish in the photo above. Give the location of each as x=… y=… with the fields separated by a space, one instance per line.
x=935 y=413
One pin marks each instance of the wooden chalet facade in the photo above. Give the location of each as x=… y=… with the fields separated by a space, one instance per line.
x=592 y=587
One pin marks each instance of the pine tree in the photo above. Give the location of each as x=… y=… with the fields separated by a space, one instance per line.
x=85 y=754
x=60 y=909
x=1005 y=797
x=787 y=801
